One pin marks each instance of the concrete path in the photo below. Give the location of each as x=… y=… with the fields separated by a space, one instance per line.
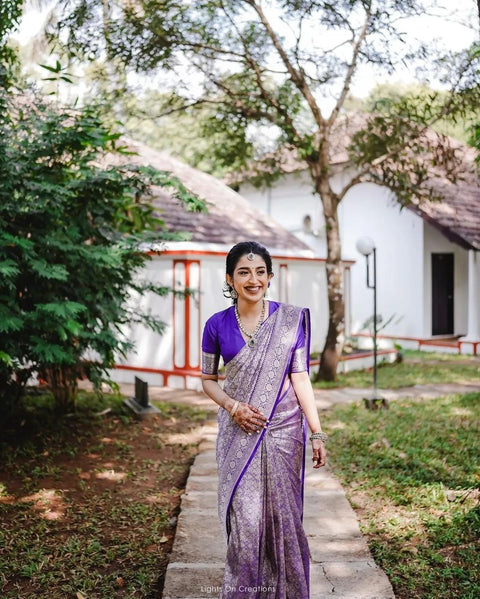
x=341 y=563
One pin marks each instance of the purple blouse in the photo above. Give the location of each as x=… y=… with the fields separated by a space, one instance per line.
x=222 y=337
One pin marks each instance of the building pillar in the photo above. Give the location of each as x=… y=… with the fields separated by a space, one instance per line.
x=473 y=326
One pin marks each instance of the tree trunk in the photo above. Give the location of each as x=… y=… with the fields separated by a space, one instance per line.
x=62 y=381
x=336 y=307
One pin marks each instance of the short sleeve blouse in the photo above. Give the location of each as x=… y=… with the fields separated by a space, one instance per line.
x=222 y=338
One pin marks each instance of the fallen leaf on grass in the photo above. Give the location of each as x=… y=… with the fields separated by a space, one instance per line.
x=81 y=595
x=164 y=539
x=384 y=443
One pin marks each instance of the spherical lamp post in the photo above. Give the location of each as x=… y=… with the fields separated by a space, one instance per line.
x=366 y=247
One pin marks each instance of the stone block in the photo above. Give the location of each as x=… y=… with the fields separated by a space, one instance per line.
x=193 y=581
x=349 y=580
x=328 y=525
x=198 y=540
x=325 y=501
x=205 y=501
x=328 y=549
x=201 y=483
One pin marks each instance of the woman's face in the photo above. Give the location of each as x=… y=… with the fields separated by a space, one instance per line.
x=250 y=278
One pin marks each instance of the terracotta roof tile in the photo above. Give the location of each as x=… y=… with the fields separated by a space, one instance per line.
x=457 y=215
x=230 y=219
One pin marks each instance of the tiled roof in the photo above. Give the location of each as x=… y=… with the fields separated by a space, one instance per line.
x=457 y=215
x=230 y=217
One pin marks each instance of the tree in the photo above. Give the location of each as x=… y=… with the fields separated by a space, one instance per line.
x=273 y=64
x=73 y=216
x=71 y=227
x=151 y=118
x=383 y=95
x=10 y=14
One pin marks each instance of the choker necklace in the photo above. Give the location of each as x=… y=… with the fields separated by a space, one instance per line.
x=251 y=336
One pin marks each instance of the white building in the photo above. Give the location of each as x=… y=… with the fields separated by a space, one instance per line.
x=428 y=256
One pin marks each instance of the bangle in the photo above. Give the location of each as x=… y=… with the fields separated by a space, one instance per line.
x=234 y=409
x=322 y=436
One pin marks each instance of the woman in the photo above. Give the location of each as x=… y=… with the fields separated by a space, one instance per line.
x=265 y=400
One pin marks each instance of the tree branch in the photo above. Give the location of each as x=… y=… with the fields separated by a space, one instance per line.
x=236 y=101
x=253 y=64
x=296 y=75
x=351 y=68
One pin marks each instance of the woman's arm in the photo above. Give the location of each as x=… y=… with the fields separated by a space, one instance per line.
x=249 y=418
x=304 y=392
x=214 y=391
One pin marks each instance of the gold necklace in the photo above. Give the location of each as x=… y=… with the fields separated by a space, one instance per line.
x=251 y=336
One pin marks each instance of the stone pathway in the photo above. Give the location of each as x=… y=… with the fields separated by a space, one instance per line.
x=341 y=563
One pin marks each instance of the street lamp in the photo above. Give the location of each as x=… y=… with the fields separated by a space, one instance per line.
x=366 y=247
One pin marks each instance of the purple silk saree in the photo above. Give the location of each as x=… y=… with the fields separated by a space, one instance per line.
x=260 y=494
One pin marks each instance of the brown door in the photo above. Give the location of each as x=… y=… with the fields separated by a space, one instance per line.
x=442 y=294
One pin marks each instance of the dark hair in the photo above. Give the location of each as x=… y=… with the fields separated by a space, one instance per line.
x=239 y=250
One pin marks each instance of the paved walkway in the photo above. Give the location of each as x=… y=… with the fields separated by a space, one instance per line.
x=341 y=563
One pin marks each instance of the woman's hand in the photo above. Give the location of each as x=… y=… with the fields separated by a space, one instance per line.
x=319 y=453
x=249 y=418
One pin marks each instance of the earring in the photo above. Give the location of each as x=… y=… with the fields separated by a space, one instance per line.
x=233 y=293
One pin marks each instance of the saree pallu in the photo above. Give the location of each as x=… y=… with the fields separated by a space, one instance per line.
x=260 y=494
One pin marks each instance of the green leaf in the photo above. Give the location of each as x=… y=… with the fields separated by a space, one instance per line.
x=50 y=353
x=9 y=320
x=56 y=272
x=61 y=309
x=54 y=69
x=8 y=269
x=5 y=358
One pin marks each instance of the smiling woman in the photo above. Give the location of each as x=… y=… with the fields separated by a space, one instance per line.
x=267 y=400
x=248 y=285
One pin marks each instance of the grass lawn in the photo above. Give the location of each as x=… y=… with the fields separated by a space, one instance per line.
x=412 y=473
x=417 y=368
x=88 y=503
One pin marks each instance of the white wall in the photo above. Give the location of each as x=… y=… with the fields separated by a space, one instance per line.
x=307 y=287
x=151 y=349
x=473 y=331
x=370 y=210
x=288 y=201
x=367 y=210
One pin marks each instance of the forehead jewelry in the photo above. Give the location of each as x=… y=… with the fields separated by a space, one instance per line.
x=250 y=256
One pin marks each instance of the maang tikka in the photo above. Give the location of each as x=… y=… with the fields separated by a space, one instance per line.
x=250 y=256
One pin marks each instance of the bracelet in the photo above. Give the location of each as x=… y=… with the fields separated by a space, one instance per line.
x=322 y=436
x=234 y=409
